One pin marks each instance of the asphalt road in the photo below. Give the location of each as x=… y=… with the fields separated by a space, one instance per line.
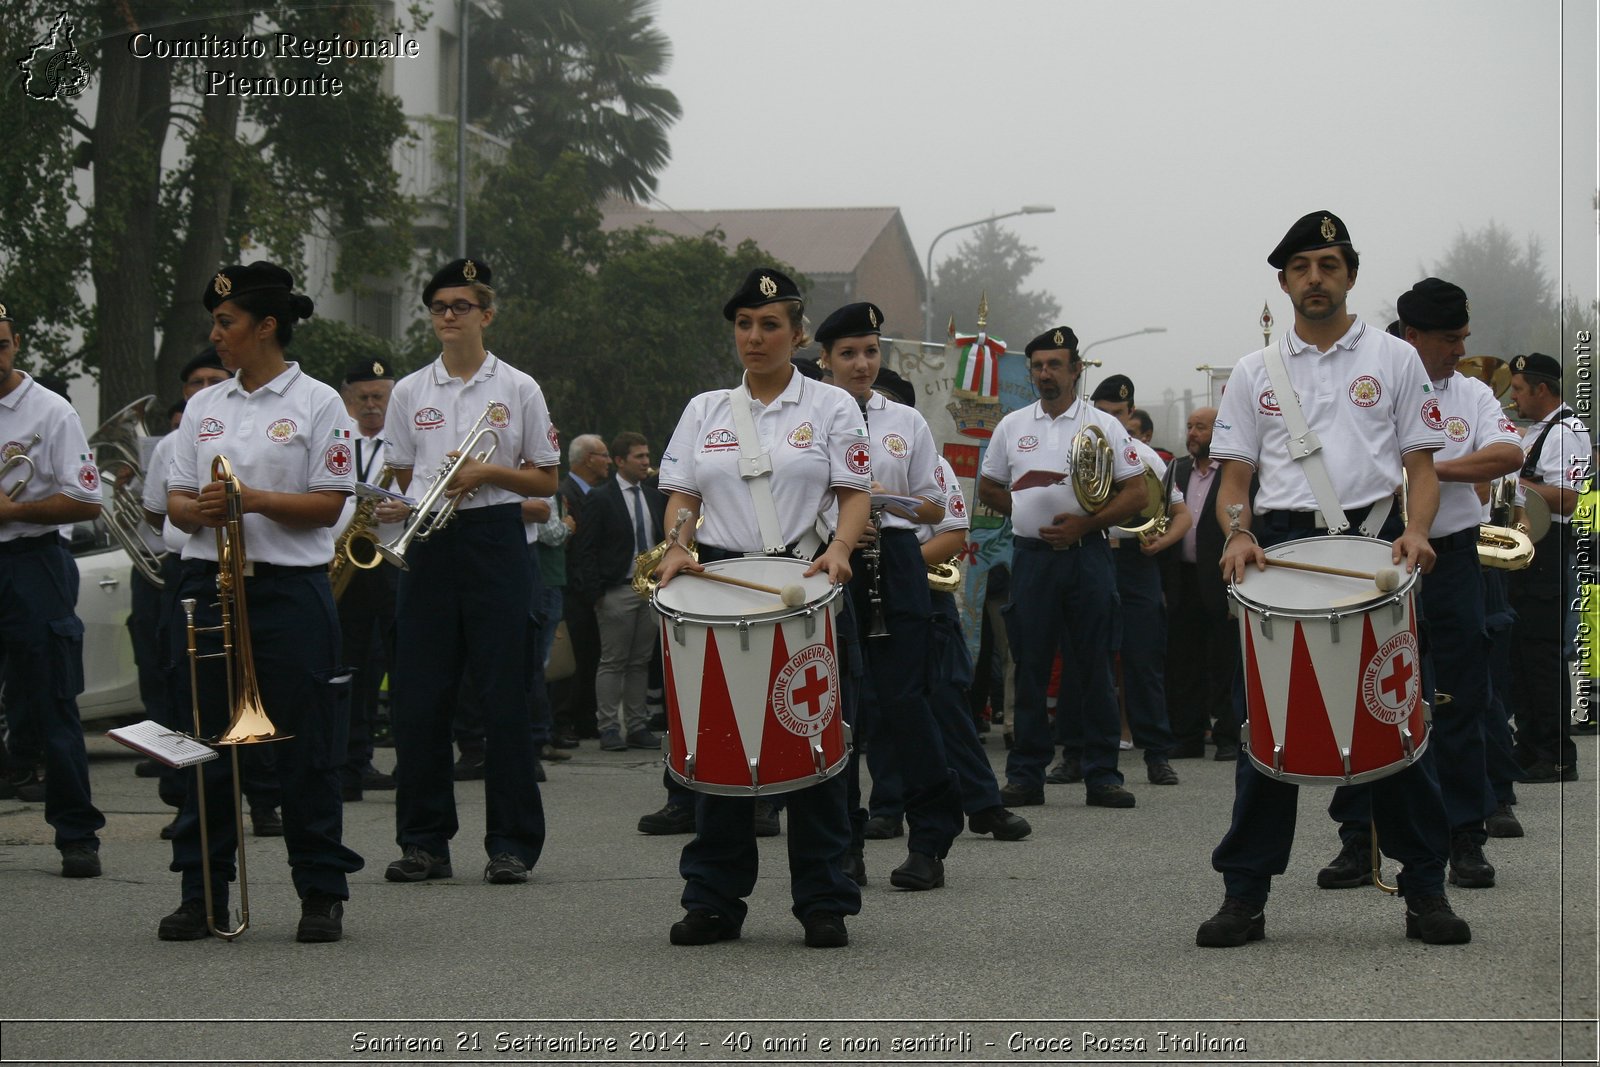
x=1076 y=945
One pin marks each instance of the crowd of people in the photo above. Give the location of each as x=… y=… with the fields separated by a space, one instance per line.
x=466 y=557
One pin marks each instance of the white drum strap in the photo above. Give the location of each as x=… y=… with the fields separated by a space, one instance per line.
x=1305 y=448
x=755 y=467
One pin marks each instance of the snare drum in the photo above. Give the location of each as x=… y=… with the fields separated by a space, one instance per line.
x=1333 y=678
x=752 y=684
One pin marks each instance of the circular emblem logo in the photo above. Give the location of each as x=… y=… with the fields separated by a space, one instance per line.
x=1131 y=454
x=1432 y=415
x=938 y=476
x=11 y=450
x=802 y=436
x=1027 y=443
x=89 y=477
x=211 y=428
x=555 y=441
x=1506 y=425
x=281 y=432
x=1392 y=679
x=428 y=419
x=1365 y=391
x=1267 y=402
x=896 y=445
x=858 y=459
x=499 y=415
x=805 y=695
x=1456 y=428
x=338 y=459
x=958 y=506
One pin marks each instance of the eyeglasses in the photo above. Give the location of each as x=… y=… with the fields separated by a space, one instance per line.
x=460 y=307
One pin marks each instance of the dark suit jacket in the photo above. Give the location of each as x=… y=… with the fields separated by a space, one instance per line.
x=1207 y=538
x=603 y=549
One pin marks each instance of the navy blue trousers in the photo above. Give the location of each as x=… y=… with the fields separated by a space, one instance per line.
x=1499 y=756
x=1541 y=686
x=461 y=618
x=41 y=645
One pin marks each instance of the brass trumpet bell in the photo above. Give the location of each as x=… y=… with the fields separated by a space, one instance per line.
x=1490 y=370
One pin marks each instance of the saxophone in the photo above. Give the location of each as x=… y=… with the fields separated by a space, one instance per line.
x=357 y=546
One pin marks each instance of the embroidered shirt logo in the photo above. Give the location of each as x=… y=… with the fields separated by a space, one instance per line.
x=719 y=440
x=428 y=419
x=89 y=477
x=1267 y=403
x=1365 y=391
x=802 y=436
x=1027 y=443
x=1456 y=428
x=859 y=459
x=499 y=415
x=1432 y=415
x=896 y=445
x=210 y=429
x=337 y=459
x=281 y=432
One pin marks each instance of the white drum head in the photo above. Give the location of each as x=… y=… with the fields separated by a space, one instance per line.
x=1284 y=591
x=692 y=597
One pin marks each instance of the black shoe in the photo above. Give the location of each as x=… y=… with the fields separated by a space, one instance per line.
x=671 y=819
x=1431 y=920
x=1066 y=772
x=148 y=768
x=1108 y=796
x=350 y=792
x=1503 y=823
x=188 y=923
x=1540 y=772
x=1226 y=753
x=855 y=867
x=169 y=831
x=539 y=774
x=1004 y=825
x=265 y=822
x=703 y=928
x=824 y=929
x=1350 y=868
x=417 y=865
x=552 y=752
x=766 y=819
x=321 y=918
x=1161 y=773
x=1469 y=869
x=1235 y=923
x=376 y=780
x=469 y=768
x=1013 y=795
x=1187 y=750
x=505 y=869
x=564 y=741
x=883 y=827
x=918 y=872
x=30 y=790
x=80 y=861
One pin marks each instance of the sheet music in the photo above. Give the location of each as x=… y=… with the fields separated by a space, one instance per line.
x=159 y=743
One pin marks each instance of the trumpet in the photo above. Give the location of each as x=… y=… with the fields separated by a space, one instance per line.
x=17 y=459
x=424 y=521
x=356 y=548
x=1093 y=468
x=248 y=723
x=116 y=444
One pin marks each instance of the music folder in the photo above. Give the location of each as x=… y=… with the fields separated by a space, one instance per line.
x=162 y=745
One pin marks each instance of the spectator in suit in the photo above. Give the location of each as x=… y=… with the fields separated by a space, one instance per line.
x=588 y=464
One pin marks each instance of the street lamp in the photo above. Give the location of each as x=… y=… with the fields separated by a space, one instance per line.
x=927 y=305
x=1148 y=329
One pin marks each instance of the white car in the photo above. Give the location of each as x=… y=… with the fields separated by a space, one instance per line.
x=110 y=678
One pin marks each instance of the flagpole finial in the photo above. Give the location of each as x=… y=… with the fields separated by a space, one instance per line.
x=983 y=309
x=952 y=330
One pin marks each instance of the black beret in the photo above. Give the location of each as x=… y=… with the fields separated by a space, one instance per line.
x=761 y=287
x=238 y=280
x=1537 y=363
x=1057 y=337
x=369 y=370
x=1116 y=387
x=1433 y=304
x=457 y=272
x=56 y=384
x=1397 y=329
x=896 y=387
x=206 y=358
x=808 y=368
x=852 y=320
x=1320 y=229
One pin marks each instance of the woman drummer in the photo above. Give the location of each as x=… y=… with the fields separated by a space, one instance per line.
x=813 y=436
x=287 y=437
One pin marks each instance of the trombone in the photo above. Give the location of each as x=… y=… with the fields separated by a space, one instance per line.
x=424 y=521
x=116 y=444
x=15 y=460
x=249 y=723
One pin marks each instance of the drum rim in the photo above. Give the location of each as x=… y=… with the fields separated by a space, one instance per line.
x=780 y=614
x=1408 y=583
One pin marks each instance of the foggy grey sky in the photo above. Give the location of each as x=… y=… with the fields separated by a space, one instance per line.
x=1177 y=141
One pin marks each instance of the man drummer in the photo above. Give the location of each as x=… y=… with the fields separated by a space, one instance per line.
x=1481 y=444
x=1364 y=396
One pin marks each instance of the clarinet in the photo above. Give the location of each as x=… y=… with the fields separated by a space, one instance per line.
x=872 y=555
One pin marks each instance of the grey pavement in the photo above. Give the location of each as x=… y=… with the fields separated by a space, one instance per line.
x=1081 y=935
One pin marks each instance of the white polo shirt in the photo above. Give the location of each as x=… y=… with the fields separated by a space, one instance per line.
x=903 y=458
x=292 y=435
x=1368 y=400
x=1149 y=455
x=431 y=412
x=1471 y=419
x=369 y=461
x=955 y=505
x=62 y=461
x=155 y=478
x=1028 y=440
x=1564 y=460
x=816 y=439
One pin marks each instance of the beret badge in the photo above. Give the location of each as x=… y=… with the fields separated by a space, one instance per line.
x=1327 y=229
x=872 y=316
x=469 y=271
x=768 y=287
x=222 y=285
x=1059 y=339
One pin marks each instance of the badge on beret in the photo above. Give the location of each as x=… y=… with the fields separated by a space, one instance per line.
x=469 y=271
x=872 y=316
x=1122 y=392
x=1328 y=230
x=768 y=287
x=3 y=312
x=1519 y=363
x=222 y=285
x=1465 y=304
x=1058 y=339
x=377 y=368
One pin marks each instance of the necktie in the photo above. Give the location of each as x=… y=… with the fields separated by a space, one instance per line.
x=641 y=539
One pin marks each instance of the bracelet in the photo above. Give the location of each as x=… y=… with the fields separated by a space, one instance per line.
x=676 y=544
x=1233 y=533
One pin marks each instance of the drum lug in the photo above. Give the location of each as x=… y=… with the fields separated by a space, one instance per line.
x=755 y=775
x=1407 y=744
x=1333 y=633
x=1266 y=624
x=819 y=759
x=1277 y=760
x=1344 y=757
x=688 y=768
x=677 y=629
x=1397 y=610
x=744 y=635
x=811 y=622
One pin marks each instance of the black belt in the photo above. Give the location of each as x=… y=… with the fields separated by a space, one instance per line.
x=490 y=513
x=1040 y=545
x=31 y=543
x=260 y=569
x=1307 y=520
x=1459 y=541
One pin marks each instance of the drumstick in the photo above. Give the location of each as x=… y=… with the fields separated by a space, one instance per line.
x=1386 y=579
x=791 y=595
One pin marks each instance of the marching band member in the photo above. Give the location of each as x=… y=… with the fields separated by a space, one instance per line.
x=813 y=435
x=890 y=584
x=1365 y=395
x=41 y=636
x=287 y=438
x=464 y=600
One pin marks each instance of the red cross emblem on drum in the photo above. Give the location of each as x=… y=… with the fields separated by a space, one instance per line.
x=804 y=694
x=1391 y=679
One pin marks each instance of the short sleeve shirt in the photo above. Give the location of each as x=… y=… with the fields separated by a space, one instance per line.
x=1148 y=455
x=955 y=505
x=62 y=461
x=1471 y=419
x=1564 y=460
x=817 y=442
x=431 y=413
x=1030 y=440
x=1367 y=399
x=291 y=435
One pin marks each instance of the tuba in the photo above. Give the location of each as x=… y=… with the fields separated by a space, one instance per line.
x=356 y=548
x=1092 y=468
x=1151 y=521
x=424 y=521
x=117 y=446
x=248 y=723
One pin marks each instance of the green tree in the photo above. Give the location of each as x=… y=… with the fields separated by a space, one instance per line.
x=1515 y=308
x=992 y=261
